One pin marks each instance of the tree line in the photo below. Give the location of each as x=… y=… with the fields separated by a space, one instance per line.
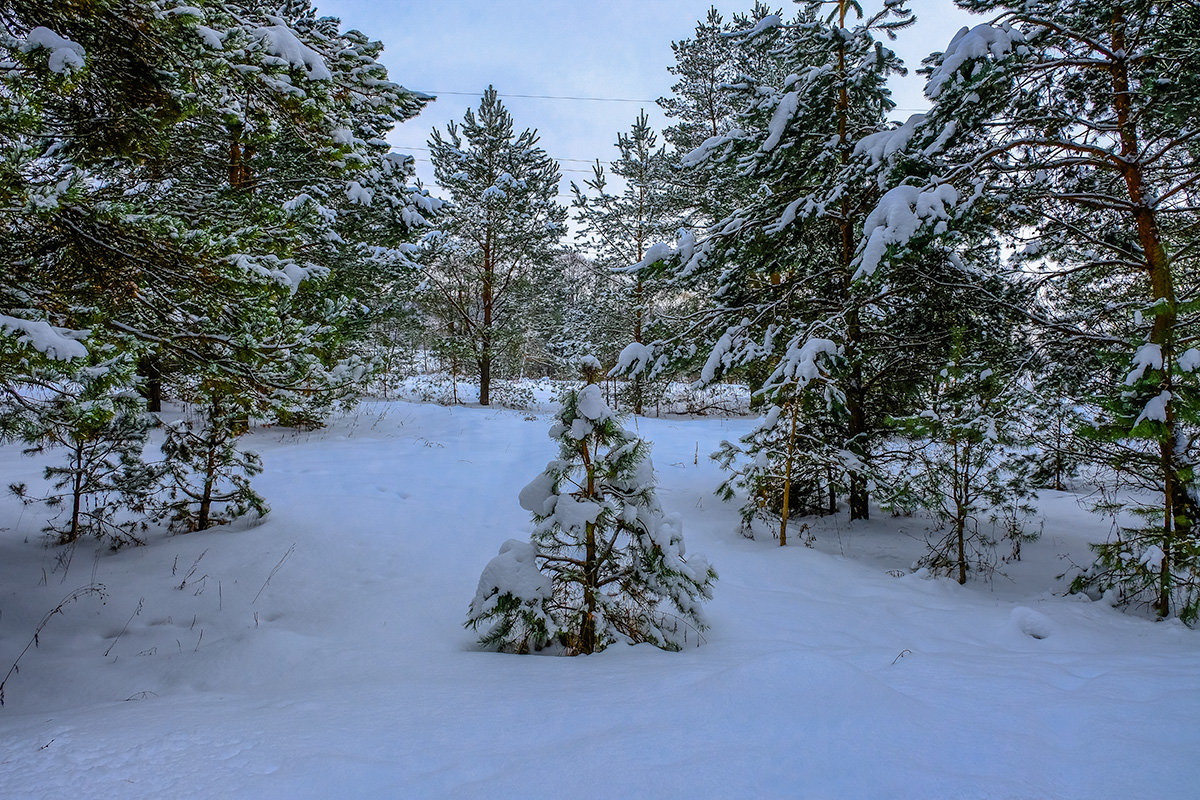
x=943 y=314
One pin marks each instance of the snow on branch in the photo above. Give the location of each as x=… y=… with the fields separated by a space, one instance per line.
x=709 y=146
x=764 y=24
x=59 y=344
x=880 y=147
x=1148 y=356
x=897 y=217
x=65 y=55
x=684 y=251
x=283 y=271
x=780 y=119
x=279 y=40
x=972 y=44
x=801 y=365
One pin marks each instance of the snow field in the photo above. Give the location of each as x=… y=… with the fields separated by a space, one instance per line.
x=346 y=672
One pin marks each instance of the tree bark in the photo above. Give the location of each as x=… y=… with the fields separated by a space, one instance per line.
x=149 y=368
x=1177 y=517
x=859 y=498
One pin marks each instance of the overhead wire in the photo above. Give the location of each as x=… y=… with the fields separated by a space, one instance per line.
x=587 y=99
x=407 y=148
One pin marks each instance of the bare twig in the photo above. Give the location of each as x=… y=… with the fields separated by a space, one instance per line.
x=136 y=611
x=275 y=569
x=33 y=641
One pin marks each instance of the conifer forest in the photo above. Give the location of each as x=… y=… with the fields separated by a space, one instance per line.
x=797 y=444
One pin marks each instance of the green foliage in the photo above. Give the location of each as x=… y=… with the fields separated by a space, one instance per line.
x=966 y=458
x=207 y=476
x=604 y=564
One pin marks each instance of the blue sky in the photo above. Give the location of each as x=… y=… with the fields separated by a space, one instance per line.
x=616 y=49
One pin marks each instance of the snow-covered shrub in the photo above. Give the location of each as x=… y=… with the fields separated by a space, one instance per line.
x=512 y=394
x=604 y=564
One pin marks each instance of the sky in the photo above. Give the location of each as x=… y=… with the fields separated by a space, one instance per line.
x=566 y=48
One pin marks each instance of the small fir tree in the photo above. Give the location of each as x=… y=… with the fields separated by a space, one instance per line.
x=965 y=460
x=208 y=477
x=604 y=564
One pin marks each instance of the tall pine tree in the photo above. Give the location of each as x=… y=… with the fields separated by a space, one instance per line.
x=502 y=224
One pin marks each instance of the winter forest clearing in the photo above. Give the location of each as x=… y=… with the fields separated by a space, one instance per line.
x=802 y=445
x=349 y=672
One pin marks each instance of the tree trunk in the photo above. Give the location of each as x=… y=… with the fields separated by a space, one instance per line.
x=855 y=401
x=1177 y=520
x=76 y=494
x=787 y=481
x=203 y=519
x=150 y=369
x=485 y=344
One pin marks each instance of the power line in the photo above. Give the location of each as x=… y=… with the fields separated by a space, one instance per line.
x=548 y=97
x=598 y=100
x=561 y=169
x=593 y=99
x=403 y=148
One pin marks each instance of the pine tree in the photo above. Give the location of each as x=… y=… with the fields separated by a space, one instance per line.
x=103 y=487
x=605 y=564
x=503 y=223
x=620 y=228
x=966 y=460
x=793 y=309
x=205 y=188
x=1067 y=125
x=705 y=106
x=207 y=476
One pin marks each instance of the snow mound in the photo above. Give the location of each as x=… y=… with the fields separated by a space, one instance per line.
x=513 y=572
x=1032 y=623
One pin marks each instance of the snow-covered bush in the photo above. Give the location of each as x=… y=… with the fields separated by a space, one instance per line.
x=513 y=394
x=604 y=564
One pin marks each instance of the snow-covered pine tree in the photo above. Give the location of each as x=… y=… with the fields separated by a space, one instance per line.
x=791 y=304
x=503 y=222
x=102 y=487
x=1069 y=125
x=620 y=228
x=183 y=195
x=967 y=462
x=207 y=476
x=604 y=564
x=703 y=105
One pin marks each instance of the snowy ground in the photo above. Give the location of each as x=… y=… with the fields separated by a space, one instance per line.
x=321 y=654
